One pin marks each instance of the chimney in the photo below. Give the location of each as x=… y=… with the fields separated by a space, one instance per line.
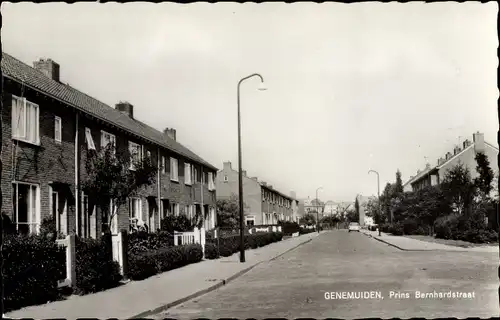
x=478 y=139
x=427 y=166
x=466 y=143
x=264 y=183
x=126 y=108
x=418 y=171
x=171 y=133
x=448 y=155
x=270 y=186
x=48 y=67
x=227 y=165
x=456 y=150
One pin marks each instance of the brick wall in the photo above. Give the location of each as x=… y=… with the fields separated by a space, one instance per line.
x=52 y=161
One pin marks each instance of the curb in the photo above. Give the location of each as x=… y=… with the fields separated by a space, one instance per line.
x=207 y=290
x=411 y=250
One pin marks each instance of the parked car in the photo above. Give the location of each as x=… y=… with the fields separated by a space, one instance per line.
x=354 y=226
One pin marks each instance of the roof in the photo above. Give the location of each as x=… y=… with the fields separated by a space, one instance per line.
x=20 y=72
x=266 y=186
x=427 y=171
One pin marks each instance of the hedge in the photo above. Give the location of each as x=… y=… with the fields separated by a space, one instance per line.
x=466 y=228
x=144 y=241
x=289 y=227
x=231 y=244
x=95 y=268
x=32 y=267
x=145 y=264
x=306 y=231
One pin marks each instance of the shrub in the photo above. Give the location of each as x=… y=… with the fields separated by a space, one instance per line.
x=306 y=231
x=95 y=268
x=211 y=251
x=396 y=229
x=144 y=241
x=146 y=264
x=289 y=227
x=179 y=223
x=231 y=244
x=32 y=267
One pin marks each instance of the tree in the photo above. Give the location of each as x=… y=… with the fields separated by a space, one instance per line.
x=484 y=181
x=398 y=186
x=385 y=202
x=228 y=212
x=459 y=189
x=356 y=206
x=352 y=216
x=308 y=219
x=110 y=178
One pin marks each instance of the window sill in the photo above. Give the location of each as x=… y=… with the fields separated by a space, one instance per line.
x=188 y=184
x=26 y=141
x=174 y=180
x=58 y=142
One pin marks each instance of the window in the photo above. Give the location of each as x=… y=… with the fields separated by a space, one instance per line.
x=175 y=209
x=25 y=120
x=211 y=184
x=135 y=154
x=148 y=154
x=163 y=165
x=107 y=138
x=135 y=211
x=26 y=208
x=165 y=208
x=225 y=178
x=250 y=220
x=89 y=140
x=114 y=217
x=174 y=169
x=194 y=174
x=57 y=129
x=187 y=173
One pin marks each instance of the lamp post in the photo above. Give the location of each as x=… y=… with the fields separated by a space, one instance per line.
x=378 y=194
x=317 y=212
x=240 y=182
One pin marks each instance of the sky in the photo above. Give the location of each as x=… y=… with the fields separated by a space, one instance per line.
x=350 y=88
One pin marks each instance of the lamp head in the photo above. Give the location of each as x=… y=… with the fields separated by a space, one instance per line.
x=262 y=86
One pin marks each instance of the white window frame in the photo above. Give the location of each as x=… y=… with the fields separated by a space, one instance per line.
x=187 y=174
x=112 y=139
x=34 y=227
x=57 y=129
x=135 y=214
x=194 y=174
x=163 y=165
x=89 y=139
x=114 y=217
x=132 y=149
x=175 y=209
x=174 y=169
x=24 y=115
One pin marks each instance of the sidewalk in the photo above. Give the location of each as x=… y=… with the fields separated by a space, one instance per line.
x=141 y=298
x=409 y=244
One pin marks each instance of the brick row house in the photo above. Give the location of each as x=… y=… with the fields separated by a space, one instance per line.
x=464 y=154
x=264 y=205
x=48 y=130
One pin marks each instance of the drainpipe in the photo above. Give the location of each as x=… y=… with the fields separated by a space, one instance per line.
x=158 y=185
x=77 y=174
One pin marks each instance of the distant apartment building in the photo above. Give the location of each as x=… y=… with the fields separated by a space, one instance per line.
x=264 y=205
x=464 y=154
x=338 y=209
x=314 y=206
x=49 y=130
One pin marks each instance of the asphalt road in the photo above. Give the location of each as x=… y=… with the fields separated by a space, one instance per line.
x=295 y=284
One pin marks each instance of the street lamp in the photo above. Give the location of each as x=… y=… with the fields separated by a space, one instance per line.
x=240 y=191
x=378 y=193
x=317 y=212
